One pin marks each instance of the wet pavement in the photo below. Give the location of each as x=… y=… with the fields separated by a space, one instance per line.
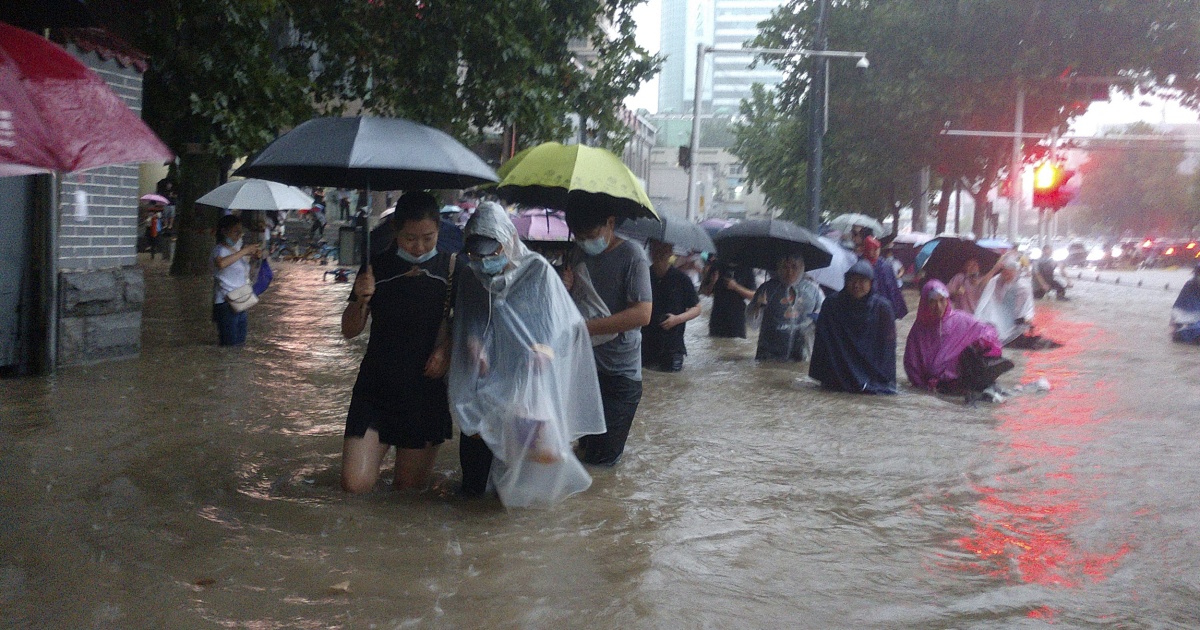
x=197 y=487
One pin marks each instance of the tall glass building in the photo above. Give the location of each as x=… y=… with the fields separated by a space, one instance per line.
x=726 y=24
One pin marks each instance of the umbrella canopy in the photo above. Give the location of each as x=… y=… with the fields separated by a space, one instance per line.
x=677 y=231
x=845 y=222
x=368 y=153
x=943 y=257
x=61 y=116
x=256 y=194
x=712 y=226
x=762 y=243
x=542 y=225
x=153 y=198
x=834 y=276
x=574 y=178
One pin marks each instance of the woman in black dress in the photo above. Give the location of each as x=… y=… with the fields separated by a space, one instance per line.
x=400 y=396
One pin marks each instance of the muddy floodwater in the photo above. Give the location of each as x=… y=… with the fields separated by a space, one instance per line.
x=197 y=487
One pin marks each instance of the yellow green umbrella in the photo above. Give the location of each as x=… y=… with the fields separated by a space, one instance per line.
x=573 y=178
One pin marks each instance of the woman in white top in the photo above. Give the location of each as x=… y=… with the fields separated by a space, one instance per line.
x=230 y=269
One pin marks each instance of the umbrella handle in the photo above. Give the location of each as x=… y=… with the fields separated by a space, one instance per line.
x=366 y=228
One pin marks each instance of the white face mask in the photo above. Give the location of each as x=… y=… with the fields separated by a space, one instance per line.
x=235 y=245
x=594 y=246
x=416 y=260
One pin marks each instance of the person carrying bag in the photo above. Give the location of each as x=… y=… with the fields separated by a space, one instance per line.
x=232 y=292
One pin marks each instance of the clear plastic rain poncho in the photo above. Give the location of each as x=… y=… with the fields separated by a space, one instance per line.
x=522 y=374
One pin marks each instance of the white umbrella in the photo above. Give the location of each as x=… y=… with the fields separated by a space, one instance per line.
x=834 y=276
x=843 y=223
x=256 y=194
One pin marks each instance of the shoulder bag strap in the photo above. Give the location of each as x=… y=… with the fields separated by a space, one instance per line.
x=449 y=286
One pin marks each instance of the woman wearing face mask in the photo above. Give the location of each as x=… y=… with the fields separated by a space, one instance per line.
x=522 y=379
x=230 y=269
x=400 y=396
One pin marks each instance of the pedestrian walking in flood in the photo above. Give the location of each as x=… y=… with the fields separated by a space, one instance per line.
x=399 y=398
x=675 y=304
x=230 y=262
x=522 y=380
x=620 y=275
x=785 y=309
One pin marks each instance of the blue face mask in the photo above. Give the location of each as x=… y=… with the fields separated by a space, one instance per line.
x=416 y=260
x=594 y=246
x=492 y=265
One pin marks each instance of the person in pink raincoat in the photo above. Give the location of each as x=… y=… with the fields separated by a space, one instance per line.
x=948 y=350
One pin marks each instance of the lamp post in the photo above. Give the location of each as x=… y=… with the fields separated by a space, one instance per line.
x=817 y=109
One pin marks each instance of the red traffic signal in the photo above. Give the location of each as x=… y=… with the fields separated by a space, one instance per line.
x=1050 y=188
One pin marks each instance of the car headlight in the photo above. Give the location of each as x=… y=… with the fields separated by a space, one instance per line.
x=1059 y=254
x=1096 y=255
x=1117 y=252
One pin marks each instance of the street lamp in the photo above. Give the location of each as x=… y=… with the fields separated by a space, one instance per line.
x=815 y=160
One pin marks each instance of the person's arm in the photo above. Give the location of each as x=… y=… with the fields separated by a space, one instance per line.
x=674 y=320
x=354 y=318
x=732 y=285
x=224 y=261
x=710 y=280
x=439 y=360
x=636 y=316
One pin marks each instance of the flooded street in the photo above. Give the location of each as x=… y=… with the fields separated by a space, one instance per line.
x=197 y=487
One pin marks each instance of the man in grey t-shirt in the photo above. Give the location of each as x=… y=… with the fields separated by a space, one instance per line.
x=620 y=274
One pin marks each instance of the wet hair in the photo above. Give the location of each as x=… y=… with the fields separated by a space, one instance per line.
x=225 y=222
x=416 y=206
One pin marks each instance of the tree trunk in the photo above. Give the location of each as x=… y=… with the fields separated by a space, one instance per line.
x=195 y=225
x=982 y=207
x=943 y=207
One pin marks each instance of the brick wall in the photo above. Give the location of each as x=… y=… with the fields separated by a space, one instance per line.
x=101 y=292
x=107 y=238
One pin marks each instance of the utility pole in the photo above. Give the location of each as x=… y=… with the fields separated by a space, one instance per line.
x=701 y=51
x=1014 y=168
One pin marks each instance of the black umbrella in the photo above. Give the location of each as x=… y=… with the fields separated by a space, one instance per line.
x=762 y=243
x=368 y=153
x=677 y=231
x=947 y=255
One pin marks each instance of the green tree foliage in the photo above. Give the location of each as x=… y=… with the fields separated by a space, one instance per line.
x=227 y=76
x=1137 y=191
x=956 y=63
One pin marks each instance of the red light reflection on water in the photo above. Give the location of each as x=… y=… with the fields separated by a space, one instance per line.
x=1024 y=520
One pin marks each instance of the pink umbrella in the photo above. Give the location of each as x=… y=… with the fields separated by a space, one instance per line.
x=57 y=115
x=153 y=198
x=542 y=225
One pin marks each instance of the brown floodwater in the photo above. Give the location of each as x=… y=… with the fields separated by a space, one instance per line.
x=197 y=487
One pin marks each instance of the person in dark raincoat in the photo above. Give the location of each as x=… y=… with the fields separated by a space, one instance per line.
x=855 y=346
x=1185 y=313
x=885 y=283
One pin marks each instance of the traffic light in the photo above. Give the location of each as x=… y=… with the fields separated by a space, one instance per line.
x=1049 y=186
x=685 y=157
